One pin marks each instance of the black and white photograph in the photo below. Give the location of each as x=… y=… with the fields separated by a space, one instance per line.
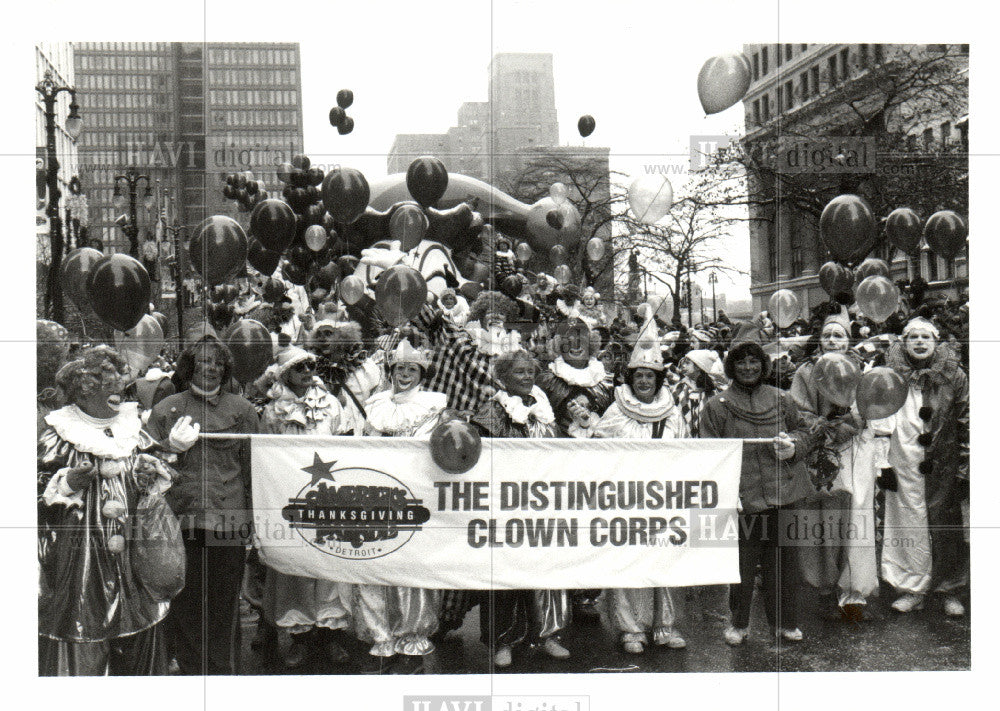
x=554 y=356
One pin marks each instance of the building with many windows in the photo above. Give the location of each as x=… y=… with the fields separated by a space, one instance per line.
x=888 y=122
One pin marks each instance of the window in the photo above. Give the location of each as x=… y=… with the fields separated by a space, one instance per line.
x=795 y=248
x=788 y=52
x=778 y=55
x=756 y=66
x=779 y=99
x=789 y=96
x=803 y=47
x=945 y=134
x=863 y=55
x=765 y=107
x=756 y=112
x=772 y=251
x=804 y=86
x=844 y=57
x=831 y=77
x=763 y=60
x=878 y=53
x=928 y=139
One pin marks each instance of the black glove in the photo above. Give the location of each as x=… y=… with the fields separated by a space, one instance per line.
x=887 y=480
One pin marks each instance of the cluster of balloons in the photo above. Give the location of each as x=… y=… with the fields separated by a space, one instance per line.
x=723 y=82
x=115 y=287
x=245 y=190
x=338 y=114
x=878 y=393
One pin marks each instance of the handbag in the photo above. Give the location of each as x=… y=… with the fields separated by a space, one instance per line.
x=157 y=548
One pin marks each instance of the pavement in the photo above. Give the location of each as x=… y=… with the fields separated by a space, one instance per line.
x=918 y=641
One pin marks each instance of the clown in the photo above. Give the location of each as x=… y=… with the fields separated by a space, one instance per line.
x=347 y=369
x=94 y=616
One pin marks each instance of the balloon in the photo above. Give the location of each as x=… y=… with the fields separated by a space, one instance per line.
x=427 y=179
x=543 y=235
x=300 y=255
x=315 y=237
x=562 y=274
x=871 y=267
x=523 y=251
x=512 y=286
x=554 y=219
x=346 y=126
x=337 y=116
x=877 y=298
x=847 y=228
x=345 y=194
x=272 y=222
x=783 y=306
x=723 y=81
x=455 y=446
x=345 y=97
x=301 y=161
x=881 y=392
x=903 y=229
x=945 y=233
x=273 y=290
x=141 y=345
x=51 y=348
x=835 y=278
x=408 y=224
x=75 y=270
x=650 y=198
x=263 y=260
x=836 y=377
x=315 y=176
x=218 y=249
x=160 y=319
x=328 y=276
x=118 y=288
x=557 y=254
x=351 y=289
x=470 y=290
x=400 y=293
x=586 y=125
x=595 y=249
x=251 y=348
x=559 y=193
x=295 y=273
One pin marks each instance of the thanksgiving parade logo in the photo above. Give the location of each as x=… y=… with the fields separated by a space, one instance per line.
x=354 y=512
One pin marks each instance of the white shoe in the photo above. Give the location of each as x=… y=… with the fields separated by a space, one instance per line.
x=670 y=638
x=554 y=649
x=953 y=607
x=633 y=647
x=503 y=657
x=794 y=635
x=908 y=603
x=735 y=636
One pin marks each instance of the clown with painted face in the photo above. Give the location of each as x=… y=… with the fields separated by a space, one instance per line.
x=94 y=616
x=928 y=454
x=397 y=619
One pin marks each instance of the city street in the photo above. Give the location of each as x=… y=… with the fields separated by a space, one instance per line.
x=919 y=641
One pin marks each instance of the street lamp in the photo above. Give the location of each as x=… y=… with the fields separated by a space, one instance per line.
x=74 y=125
x=132 y=179
x=713 y=279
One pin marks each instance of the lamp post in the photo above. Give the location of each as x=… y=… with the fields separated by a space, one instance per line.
x=74 y=124
x=132 y=179
x=713 y=279
x=176 y=269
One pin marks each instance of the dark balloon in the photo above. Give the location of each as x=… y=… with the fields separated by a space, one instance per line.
x=240 y=181
x=218 y=249
x=345 y=97
x=945 y=233
x=835 y=278
x=470 y=290
x=119 y=291
x=903 y=229
x=346 y=126
x=847 y=228
x=273 y=291
x=345 y=194
x=251 y=348
x=427 y=179
x=337 y=116
x=554 y=219
x=512 y=286
x=400 y=293
x=252 y=187
x=327 y=277
x=315 y=176
x=881 y=393
x=263 y=260
x=75 y=270
x=586 y=125
x=273 y=223
x=455 y=446
x=285 y=171
x=228 y=192
x=295 y=274
x=300 y=255
x=301 y=161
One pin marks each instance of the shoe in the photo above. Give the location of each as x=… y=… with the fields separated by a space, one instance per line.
x=296 y=655
x=670 y=638
x=853 y=612
x=908 y=603
x=793 y=635
x=554 y=649
x=633 y=647
x=336 y=654
x=953 y=607
x=503 y=657
x=735 y=636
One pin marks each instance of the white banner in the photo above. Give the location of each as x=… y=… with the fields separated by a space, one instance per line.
x=533 y=513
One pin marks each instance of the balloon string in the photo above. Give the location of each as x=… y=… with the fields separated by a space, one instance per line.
x=662 y=186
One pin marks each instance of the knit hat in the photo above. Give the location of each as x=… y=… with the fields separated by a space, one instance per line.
x=921 y=324
x=708 y=361
x=746 y=341
x=291 y=356
x=841 y=320
x=405 y=353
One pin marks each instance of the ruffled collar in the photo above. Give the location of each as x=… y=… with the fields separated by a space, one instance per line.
x=539 y=411
x=307 y=411
x=403 y=413
x=940 y=366
x=495 y=343
x=116 y=437
x=640 y=411
x=588 y=377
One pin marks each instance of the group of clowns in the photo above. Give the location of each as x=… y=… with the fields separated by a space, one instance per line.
x=570 y=373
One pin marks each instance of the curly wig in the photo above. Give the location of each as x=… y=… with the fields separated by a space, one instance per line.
x=84 y=372
x=492 y=302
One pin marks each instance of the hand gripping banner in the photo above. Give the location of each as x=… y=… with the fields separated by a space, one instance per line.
x=532 y=513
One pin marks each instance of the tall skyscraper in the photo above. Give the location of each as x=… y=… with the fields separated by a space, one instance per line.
x=185 y=114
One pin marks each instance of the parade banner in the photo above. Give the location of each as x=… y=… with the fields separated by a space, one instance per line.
x=532 y=513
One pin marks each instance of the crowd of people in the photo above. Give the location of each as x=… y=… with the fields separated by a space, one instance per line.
x=555 y=362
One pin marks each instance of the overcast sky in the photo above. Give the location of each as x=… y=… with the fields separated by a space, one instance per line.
x=633 y=66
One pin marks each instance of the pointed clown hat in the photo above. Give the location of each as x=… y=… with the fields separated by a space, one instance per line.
x=647 y=352
x=406 y=353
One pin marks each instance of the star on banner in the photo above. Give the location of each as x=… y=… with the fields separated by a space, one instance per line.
x=319 y=469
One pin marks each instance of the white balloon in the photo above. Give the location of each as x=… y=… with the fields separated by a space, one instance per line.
x=650 y=197
x=783 y=306
x=558 y=192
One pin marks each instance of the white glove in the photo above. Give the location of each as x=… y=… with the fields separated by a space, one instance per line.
x=183 y=434
x=381 y=257
x=784 y=446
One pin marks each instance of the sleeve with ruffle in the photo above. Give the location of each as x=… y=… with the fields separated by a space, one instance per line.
x=54 y=462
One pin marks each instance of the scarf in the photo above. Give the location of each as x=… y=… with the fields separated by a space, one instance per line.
x=647 y=412
x=539 y=411
x=588 y=377
x=308 y=411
